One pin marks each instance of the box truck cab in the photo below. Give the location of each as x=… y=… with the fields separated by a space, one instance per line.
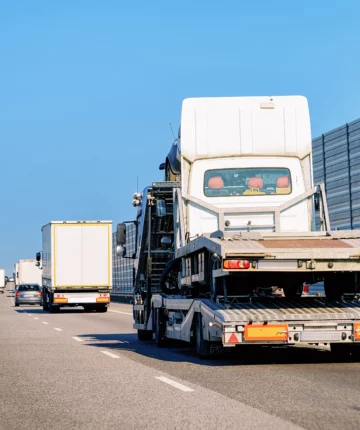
x=244 y=153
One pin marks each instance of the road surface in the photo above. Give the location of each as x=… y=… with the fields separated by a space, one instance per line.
x=82 y=370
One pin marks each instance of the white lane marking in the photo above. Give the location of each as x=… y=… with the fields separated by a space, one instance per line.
x=78 y=339
x=110 y=354
x=35 y=318
x=44 y=322
x=118 y=312
x=174 y=384
x=58 y=329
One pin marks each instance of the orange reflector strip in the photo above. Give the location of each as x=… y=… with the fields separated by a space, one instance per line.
x=357 y=331
x=102 y=299
x=266 y=332
x=60 y=300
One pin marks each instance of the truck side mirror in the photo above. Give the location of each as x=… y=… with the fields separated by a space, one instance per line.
x=121 y=234
x=160 y=208
x=121 y=251
x=38 y=257
x=162 y=166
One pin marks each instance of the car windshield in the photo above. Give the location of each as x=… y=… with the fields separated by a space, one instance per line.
x=252 y=181
x=29 y=288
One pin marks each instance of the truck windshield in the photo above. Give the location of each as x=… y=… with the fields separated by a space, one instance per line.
x=252 y=181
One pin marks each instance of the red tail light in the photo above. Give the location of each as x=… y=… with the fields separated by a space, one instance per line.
x=306 y=289
x=40 y=294
x=236 y=264
x=17 y=294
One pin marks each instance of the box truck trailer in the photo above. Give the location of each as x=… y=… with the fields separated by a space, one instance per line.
x=27 y=272
x=16 y=274
x=2 y=281
x=76 y=264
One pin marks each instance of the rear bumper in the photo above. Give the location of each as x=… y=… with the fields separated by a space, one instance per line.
x=81 y=298
x=28 y=300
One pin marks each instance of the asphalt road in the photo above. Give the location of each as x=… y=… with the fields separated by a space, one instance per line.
x=82 y=370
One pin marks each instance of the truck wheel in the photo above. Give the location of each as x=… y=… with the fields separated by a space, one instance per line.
x=145 y=335
x=53 y=309
x=45 y=305
x=202 y=346
x=345 y=351
x=160 y=327
x=45 y=300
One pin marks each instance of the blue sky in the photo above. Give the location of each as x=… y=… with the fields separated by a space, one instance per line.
x=88 y=88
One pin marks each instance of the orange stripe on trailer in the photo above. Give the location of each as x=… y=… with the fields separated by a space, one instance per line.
x=266 y=332
x=357 y=331
x=60 y=300
x=102 y=299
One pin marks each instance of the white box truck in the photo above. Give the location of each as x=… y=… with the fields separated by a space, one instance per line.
x=76 y=264
x=27 y=272
x=16 y=274
x=2 y=281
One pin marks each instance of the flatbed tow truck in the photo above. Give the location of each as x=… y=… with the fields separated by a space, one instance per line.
x=233 y=222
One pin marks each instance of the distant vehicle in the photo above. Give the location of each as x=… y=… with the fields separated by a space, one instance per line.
x=28 y=272
x=28 y=294
x=11 y=279
x=2 y=281
x=77 y=262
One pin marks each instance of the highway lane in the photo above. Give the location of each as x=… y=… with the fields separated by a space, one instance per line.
x=54 y=379
x=299 y=386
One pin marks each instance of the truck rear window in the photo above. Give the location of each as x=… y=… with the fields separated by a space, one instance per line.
x=254 y=181
x=29 y=288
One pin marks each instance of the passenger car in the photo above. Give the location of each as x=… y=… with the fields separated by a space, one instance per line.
x=28 y=294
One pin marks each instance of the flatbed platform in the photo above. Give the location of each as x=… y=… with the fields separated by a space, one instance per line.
x=281 y=309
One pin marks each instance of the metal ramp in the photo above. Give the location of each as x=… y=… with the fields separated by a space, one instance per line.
x=280 y=309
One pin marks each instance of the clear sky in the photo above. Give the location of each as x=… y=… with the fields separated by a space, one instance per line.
x=88 y=88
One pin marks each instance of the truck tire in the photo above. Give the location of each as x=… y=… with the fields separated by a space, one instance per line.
x=45 y=300
x=202 y=346
x=53 y=309
x=160 y=327
x=145 y=335
x=345 y=351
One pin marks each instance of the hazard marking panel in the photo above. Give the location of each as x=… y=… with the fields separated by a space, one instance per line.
x=266 y=332
x=357 y=331
x=232 y=338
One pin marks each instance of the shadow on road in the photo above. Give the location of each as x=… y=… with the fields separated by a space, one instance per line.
x=181 y=352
